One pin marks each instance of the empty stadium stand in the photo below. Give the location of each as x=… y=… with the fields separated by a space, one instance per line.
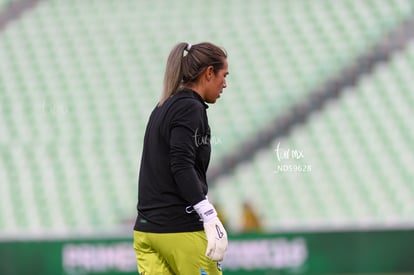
x=79 y=79
x=348 y=166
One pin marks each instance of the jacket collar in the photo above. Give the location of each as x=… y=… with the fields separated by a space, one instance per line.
x=195 y=95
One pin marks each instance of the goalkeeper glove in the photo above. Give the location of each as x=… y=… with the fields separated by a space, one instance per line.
x=216 y=234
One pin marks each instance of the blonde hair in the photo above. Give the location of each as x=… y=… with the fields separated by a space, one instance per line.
x=187 y=62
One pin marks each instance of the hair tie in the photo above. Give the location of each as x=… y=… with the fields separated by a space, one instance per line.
x=188 y=47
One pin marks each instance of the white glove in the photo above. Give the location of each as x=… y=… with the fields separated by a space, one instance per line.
x=216 y=234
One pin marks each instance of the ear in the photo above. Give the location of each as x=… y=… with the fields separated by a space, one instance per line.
x=209 y=72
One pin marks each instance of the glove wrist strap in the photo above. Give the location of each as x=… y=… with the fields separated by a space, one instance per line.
x=205 y=210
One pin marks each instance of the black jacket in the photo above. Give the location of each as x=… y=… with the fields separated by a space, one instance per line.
x=174 y=162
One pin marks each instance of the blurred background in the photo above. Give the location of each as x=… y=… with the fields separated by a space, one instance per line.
x=312 y=140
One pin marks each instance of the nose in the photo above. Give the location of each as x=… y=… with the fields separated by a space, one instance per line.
x=224 y=84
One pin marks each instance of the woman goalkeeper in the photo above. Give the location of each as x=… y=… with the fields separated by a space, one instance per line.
x=177 y=230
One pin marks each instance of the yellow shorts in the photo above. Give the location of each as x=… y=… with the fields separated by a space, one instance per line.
x=173 y=254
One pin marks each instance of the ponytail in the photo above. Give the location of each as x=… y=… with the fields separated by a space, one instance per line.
x=182 y=69
x=173 y=72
